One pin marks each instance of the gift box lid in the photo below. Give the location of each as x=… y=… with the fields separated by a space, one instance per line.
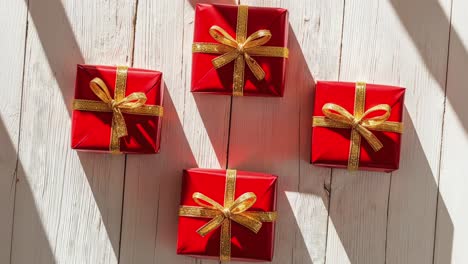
x=91 y=130
x=330 y=146
x=205 y=78
x=245 y=244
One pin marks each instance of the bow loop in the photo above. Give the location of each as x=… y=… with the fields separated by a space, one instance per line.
x=338 y=113
x=257 y=39
x=99 y=88
x=243 y=203
x=377 y=120
x=359 y=123
x=205 y=201
x=221 y=35
x=133 y=100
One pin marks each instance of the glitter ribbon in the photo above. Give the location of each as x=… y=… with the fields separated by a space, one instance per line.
x=338 y=117
x=233 y=210
x=240 y=49
x=134 y=104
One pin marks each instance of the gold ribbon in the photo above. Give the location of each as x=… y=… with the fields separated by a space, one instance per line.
x=134 y=104
x=337 y=117
x=233 y=210
x=241 y=49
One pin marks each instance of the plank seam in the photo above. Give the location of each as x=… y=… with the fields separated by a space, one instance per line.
x=157 y=221
x=341 y=44
x=230 y=123
x=388 y=213
x=125 y=159
x=135 y=17
x=328 y=212
x=442 y=133
x=229 y=133
x=330 y=190
x=15 y=178
x=122 y=203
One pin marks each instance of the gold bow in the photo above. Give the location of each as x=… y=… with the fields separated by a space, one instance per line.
x=241 y=49
x=235 y=210
x=338 y=117
x=134 y=103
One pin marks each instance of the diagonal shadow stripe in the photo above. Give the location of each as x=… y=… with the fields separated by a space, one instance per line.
x=22 y=210
x=58 y=42
x=417 y=21
x=49 y=23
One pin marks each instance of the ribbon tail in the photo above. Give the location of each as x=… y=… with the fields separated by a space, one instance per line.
x=225 y=241
x=224 y=59
x=354 y=150
x=254 y=67
x=211 y=225
x=373 y=141
x=118 y=124
x=239 y=69
x=247 y=221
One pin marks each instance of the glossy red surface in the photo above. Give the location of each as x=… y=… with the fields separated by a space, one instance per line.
x=91 y=131
x=207 y=79
x=245 y=244
x=330 y=146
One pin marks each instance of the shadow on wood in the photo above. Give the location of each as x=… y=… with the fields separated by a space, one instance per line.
x=104 y=174
x=152 y=201
x=24 y=211
x=58 y=42
x=418 y=24
x=210 y=108
x=264 y=137
x=8 y=167
x=412 y=215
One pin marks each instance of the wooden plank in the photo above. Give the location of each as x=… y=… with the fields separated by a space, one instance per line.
x=68 y=206
x=13 y=31
x=377 y=48
x=421 y=59
x=452 y=216
x=273 y=134
x=264 y=138
x=195 y=133
x=314 y=44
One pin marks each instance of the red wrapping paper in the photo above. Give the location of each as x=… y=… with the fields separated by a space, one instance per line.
x=207 y=79
x=245 y=245
x=91 y=131
x=330 y=146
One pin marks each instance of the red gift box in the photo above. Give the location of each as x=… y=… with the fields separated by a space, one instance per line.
x=244 y=243
x=331 y=146
x=208 y=79
x=92 y=123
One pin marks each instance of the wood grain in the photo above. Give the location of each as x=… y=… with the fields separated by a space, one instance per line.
x=195 y=133
x=68 y=206
x=452 y=216
x=419 y=52
x=60 y=206
x=316 y=27
x=378 y=217
x=13 y=31
x=273 y=134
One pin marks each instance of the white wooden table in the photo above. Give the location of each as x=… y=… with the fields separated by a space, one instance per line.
x=60 y=206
